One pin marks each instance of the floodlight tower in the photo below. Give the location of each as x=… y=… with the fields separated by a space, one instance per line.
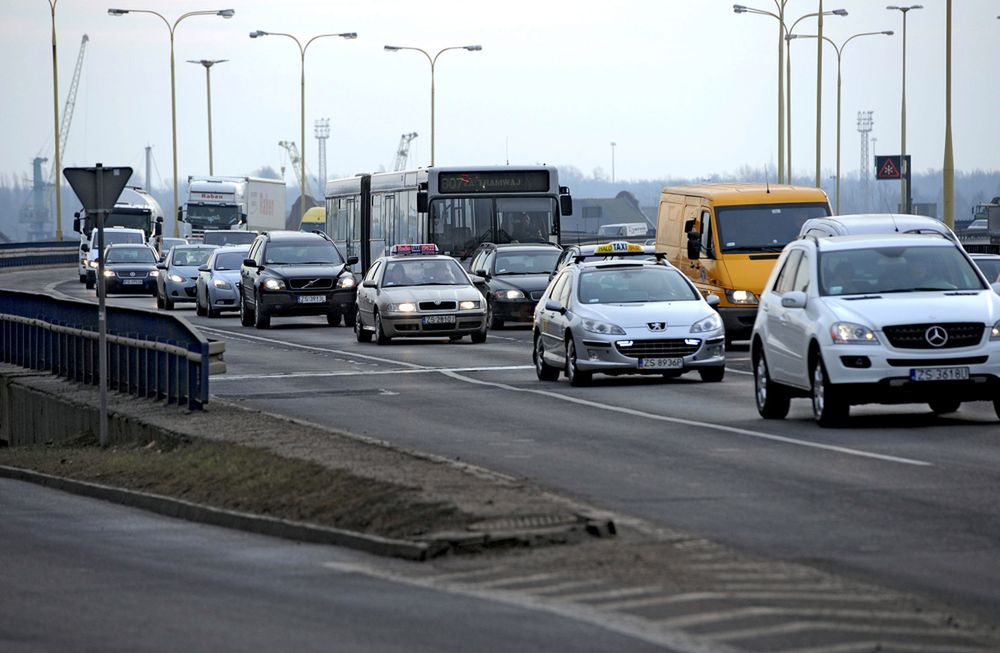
x=865 y=124
x=322 y=133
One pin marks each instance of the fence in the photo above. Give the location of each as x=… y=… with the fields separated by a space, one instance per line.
x=50 y=253
x=150 y=355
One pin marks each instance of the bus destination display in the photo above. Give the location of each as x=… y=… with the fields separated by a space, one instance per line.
x=494 y=181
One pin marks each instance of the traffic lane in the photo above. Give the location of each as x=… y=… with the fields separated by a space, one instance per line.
x=892 y=521
x=81 y=574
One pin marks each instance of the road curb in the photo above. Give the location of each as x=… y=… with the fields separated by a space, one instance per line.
x=180 y=509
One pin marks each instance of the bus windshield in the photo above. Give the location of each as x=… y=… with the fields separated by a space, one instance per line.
x=212 y=216
x=460 y=224
x=763 y=228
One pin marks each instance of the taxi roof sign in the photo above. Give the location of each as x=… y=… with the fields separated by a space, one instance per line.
x=619 y=247
x=409 y=249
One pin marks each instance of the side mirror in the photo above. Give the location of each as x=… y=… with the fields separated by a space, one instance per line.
x=249 y=262
x=421 y=201
x=566 y=204
x=694 y=245
x=369 y=283
x=243 y=218
x=712 y=300
x=482 y=273
x=203 y=268
x=161 y=266
x=76 y=223
x=158 y=228
x=85 y=248
x=477 y=280
x=180 y=214
x=794 y=299
x=553 y=305
x=352 y=260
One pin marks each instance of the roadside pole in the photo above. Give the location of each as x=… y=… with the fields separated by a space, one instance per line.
x=98 y=193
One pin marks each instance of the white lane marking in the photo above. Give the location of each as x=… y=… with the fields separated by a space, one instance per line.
x=608 y=595
x=881 y=631
x=722 y=616
x=627 y=625
x=698 y=597
x=690 y=422
x=732 y=371
x=879 y=644
x=299 y=375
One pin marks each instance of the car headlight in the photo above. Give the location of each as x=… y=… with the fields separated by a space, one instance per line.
x=995 y=333
x=220 y=283
x=468 y=305
x=109 y=273
x=92 y=264
x=848 y=333
x=711 y=323
x=176 y=278
x=744 y=297
x=273 y=284
x=508 y=294
x=604 y=328
x=404 y=307
x=154 y=273
x=346 y=282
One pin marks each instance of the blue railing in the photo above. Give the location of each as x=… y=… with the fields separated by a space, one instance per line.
x=56 y=252
x=150 y=354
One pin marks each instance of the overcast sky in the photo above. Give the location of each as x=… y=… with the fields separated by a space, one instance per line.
x=686 y=88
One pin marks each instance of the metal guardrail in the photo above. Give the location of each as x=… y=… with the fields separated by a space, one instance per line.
x=979 y=241
x=150 y=355
x=56 y=252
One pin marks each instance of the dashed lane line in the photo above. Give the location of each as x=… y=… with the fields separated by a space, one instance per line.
x=426 y=370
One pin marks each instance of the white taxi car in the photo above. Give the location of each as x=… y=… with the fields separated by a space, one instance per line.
x=416 y=292
x=875 y=319
x=626 y=317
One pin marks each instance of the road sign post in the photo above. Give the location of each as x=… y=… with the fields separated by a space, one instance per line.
x=897 y=168
x=98 y=189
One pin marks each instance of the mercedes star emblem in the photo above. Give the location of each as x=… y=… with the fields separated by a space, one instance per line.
x=936 y=336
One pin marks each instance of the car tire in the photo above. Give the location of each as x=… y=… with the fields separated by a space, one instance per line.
x=492 y=321
x=944 y=406
x=168 y=305
x=349 y=319
x=772 y=399
x=261 y=318
x=996 y=407
x=89 y=284
x=198 y=308
x=83 y=278
x=712 y=374
x=543 y=370
x=829 y=407
x=479 y=337
x=577 y=377
x=333 y=319
x=380 y=337
x=360 y=332
x=246 y=317
x=159 y=300
x=454 y=338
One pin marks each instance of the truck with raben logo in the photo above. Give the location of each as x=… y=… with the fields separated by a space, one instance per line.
x=135 y=209
x=234 y=204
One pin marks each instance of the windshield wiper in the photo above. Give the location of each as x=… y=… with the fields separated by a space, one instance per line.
x=918 y=289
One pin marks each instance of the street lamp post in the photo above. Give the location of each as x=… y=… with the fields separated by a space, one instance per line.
x=780 y=17
x=433 y=62
x=840 y=52
x=613 y=144
x=55 y=122
x=788 y=82
x=302 y=100
x=208 y=63
x=904 y=186
x=172 y=27
x=948 y=170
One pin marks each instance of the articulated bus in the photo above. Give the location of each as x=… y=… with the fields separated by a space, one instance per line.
x=454 y=208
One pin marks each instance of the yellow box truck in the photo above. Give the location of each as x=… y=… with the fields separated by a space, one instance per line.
x=726 y=238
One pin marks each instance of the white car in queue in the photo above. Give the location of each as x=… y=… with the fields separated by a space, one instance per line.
x=416 y=292
x=626 y=317
x=884 y=319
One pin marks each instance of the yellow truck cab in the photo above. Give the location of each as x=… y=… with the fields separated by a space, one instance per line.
x=314 y=219
x=726 y=238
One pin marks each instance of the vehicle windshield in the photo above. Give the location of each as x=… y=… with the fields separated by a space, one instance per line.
x=130 y=255
x=459 y=225
x=212 y=216
x=979 y=223
x=229 y=260
x=764 y=228
x=426 y=272
x=320 y=253
x=225 y=237
x=897 y=269
x=129 y=221
x=990 y=268
x=112 y=237
x=526 y=262
x=634 y=285
x=189 y=257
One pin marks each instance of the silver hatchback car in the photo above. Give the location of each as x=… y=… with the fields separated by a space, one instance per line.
x=626 y=317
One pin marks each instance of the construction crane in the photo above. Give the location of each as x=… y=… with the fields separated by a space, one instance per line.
x=403 y=151
x=296 y=161
x=67 y=117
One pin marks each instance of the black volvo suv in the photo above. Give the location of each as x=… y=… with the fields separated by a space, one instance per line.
x=296 y=273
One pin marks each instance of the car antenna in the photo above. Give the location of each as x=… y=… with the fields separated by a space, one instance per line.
x=767 y=182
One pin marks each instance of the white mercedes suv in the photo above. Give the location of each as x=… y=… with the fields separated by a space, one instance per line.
x=875 y=319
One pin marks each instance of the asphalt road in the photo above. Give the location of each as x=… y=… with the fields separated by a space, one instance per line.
x=898 y=497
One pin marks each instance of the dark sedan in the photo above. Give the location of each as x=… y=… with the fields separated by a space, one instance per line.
x=515 y=276
x=130 y=269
